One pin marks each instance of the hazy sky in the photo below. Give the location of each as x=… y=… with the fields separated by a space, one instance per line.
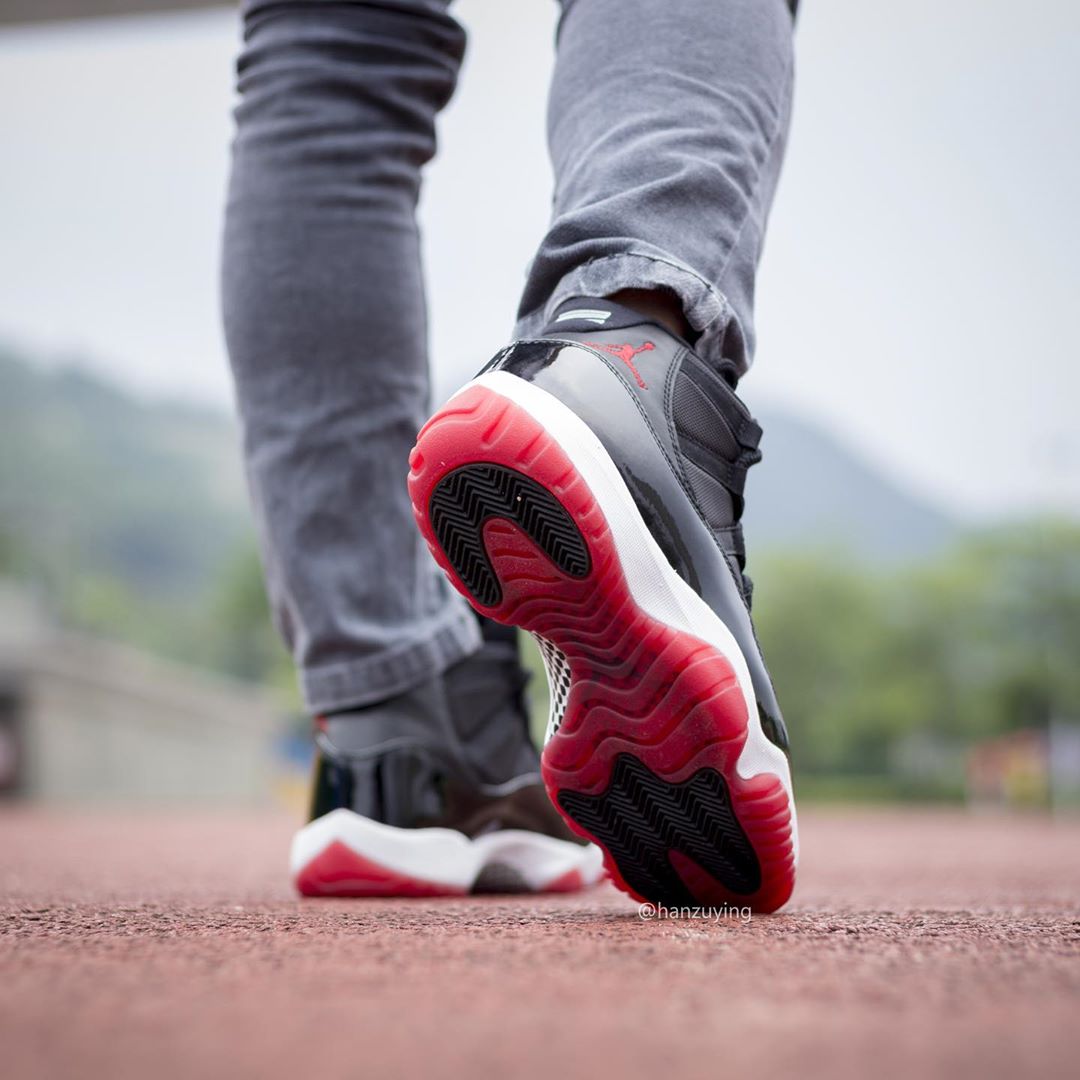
x=920 y=293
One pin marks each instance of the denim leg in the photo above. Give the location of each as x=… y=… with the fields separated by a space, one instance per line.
x=666 y=127
x=325 y=325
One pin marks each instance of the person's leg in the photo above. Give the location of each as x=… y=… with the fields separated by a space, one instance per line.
x=325 y=323
x=666 y=125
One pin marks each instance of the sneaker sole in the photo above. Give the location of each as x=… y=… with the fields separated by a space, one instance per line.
x=346 y=854
x=655 y=749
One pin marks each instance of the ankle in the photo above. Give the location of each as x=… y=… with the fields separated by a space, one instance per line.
x=661 y=307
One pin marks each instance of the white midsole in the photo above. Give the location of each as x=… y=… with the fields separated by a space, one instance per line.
x=655 y=586
x=445 y=856
x=538 y=860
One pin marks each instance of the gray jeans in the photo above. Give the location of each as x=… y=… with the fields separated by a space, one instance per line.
x=667 y=121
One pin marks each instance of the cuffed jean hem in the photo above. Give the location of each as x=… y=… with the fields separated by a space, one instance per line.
x=707 y=310
x=364 y=682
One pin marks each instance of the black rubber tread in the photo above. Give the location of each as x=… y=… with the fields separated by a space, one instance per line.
x=641 y=817
x=466 y=498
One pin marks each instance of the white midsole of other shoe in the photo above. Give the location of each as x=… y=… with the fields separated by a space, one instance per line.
x=444 y=856
x=655 y=586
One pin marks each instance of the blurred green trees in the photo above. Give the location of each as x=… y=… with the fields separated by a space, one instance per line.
x=982 y=641
x=885 y=675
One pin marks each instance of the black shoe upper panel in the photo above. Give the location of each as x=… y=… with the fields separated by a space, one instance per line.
x=454 y=743
x=621 y=386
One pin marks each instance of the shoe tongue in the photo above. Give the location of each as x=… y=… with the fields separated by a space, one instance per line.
x=586 y=315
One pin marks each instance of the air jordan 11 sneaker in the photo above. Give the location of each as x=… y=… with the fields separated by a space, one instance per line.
x=437 y=792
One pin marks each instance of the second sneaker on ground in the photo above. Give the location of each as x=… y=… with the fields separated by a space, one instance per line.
x=587 y=486
x=437 y=792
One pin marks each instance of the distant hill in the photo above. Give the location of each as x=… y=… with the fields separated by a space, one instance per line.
x=95 y=479
x=811 y=490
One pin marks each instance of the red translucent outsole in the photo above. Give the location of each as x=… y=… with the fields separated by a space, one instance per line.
x=638 y=686
x=339 y=871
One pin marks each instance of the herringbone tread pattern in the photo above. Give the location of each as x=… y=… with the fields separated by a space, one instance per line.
x=467 y=498
x=641 y=817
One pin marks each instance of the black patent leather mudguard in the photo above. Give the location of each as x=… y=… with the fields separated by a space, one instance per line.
x=632 y=421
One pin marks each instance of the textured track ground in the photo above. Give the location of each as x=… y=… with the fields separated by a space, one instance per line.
x=171 y=946
x=506 y=515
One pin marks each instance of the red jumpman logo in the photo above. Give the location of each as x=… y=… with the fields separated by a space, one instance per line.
x=626 y=354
